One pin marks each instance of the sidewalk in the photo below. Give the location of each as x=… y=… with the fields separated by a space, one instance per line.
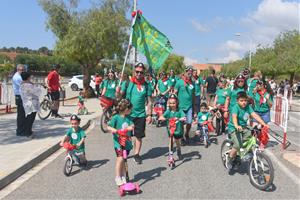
x=19 y=154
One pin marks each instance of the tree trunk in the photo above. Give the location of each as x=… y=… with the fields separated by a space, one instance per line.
x=292 y=76
x=88 y=91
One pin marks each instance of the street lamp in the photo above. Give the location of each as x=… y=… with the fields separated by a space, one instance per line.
x=250 y=52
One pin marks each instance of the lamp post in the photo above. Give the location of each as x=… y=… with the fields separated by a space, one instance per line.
x=250 y=51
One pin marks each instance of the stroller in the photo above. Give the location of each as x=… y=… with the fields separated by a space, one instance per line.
x=159 y=108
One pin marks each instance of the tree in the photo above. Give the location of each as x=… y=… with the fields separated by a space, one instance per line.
x=287 y=49
x=232 y=69
x=174 y=62
x=90 y=36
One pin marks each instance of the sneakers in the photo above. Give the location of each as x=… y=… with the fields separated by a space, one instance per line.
x=123 y=179
x=119 y=181
x=179 y=154
x=137 y=158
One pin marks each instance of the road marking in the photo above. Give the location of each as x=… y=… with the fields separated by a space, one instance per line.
x=283 y=168
x=36 y=169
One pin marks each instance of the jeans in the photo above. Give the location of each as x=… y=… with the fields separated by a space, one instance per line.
x=21 y=120
x=197 y=105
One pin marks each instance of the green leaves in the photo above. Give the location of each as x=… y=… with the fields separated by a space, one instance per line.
x=174 y=62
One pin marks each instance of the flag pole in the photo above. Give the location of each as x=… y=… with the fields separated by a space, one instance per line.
x=130 y=41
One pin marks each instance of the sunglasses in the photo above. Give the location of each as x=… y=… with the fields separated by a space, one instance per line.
x=139 y=72
x=240 y=81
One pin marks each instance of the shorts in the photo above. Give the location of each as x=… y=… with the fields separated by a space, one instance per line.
x=139 y=127
x=210 y=96
x=189 y=116
x=265 y=116
x=238 y=138
x=177 y=137
x=54 y=95
x=119 y=152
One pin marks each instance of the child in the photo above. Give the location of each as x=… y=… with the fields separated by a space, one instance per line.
x=76 y=136
x=239 y=117
x=121 y=127
x=219 y=102
x=174 y=113
x=202 y=120
x=81 y=107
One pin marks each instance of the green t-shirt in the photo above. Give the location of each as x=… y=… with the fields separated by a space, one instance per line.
x=242 y=116
x=151 y=84
x=232 y=93
x=80 y=98
x=185 y=94
x=118 y=122
x=221 y=93
x=172 y=81
x=264 y=107
x=103 y=83
x=75 y=138
x=251 y=83
x=198 y=84
x=168 y=114
x=202 y=117
x=163 y=86
x=111 y=86
x=137 y=98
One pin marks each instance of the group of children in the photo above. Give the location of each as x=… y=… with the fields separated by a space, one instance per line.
x=121 y=126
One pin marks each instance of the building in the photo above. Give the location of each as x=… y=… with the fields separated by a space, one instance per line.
x=203 y=67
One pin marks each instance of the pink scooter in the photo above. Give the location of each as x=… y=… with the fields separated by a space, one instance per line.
x=126 y=188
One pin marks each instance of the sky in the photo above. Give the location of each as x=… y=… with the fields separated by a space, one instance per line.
x=203 y=31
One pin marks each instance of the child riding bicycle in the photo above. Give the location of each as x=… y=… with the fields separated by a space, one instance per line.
x=81 y=107
x=121 y=127
x=76 y=136
x=237 y=127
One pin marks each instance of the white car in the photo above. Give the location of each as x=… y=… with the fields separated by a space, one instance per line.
x=76 y=82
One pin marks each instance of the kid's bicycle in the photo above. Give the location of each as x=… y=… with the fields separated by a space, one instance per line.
x=260 y=167
x=71 y=158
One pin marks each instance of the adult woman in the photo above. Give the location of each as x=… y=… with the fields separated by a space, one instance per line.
x=239 y=85
x=30 y=98
x=110 y=85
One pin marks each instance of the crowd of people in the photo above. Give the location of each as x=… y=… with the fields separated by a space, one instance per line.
x=189 y=98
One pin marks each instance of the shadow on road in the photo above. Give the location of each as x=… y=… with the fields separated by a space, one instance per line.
x=194 y=155
x=155 y=153
x=149 y=175
x=96 y=163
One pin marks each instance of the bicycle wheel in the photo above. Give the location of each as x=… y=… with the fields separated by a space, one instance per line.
x=68 y=167
x=45 y=109
x=105 y=117
x=225 y=149
x=263 y=177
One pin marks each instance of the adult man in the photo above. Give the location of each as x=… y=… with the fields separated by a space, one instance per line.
x=54 y=87
x=185 y=90
x=198 y=90
x=16 y=81
x=137 y=92
x=211 y=87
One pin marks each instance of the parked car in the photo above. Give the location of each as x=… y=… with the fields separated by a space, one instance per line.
x=76 y=82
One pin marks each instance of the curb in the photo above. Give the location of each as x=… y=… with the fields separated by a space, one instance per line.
x=30 y=164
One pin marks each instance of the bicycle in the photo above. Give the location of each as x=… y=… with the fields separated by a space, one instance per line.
x=45 y=105
x=71 y=158
x=108 y=109
x=260 y=167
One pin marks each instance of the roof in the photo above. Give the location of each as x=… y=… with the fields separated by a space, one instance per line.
x=201 y=67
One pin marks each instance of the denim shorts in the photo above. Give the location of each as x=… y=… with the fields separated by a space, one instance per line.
x=265 y=116
x=189 y=115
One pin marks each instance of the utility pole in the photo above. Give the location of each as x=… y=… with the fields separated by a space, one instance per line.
x=135 y=50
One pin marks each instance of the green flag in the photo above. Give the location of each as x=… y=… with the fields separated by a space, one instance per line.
x=150 y=42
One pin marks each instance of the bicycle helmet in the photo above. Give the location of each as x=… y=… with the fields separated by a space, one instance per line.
x=75 y=117
x=189 y=68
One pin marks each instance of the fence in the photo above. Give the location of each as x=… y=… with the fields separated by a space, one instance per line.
x=279 y=116
x=5 y=96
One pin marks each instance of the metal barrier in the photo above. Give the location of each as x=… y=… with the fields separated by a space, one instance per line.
x=279 y=115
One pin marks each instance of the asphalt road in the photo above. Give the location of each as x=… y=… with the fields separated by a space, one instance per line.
x=199 y=175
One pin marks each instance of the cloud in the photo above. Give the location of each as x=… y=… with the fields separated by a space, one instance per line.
x=231 y=45
x=232 y=56
x=199 y=27
x=270 y=18
x=189 y=61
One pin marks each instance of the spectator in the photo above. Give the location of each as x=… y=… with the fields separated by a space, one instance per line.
x=53 y=83
x=211 y=87
x=198 y=91
x=30 y=98
x=16 y=82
